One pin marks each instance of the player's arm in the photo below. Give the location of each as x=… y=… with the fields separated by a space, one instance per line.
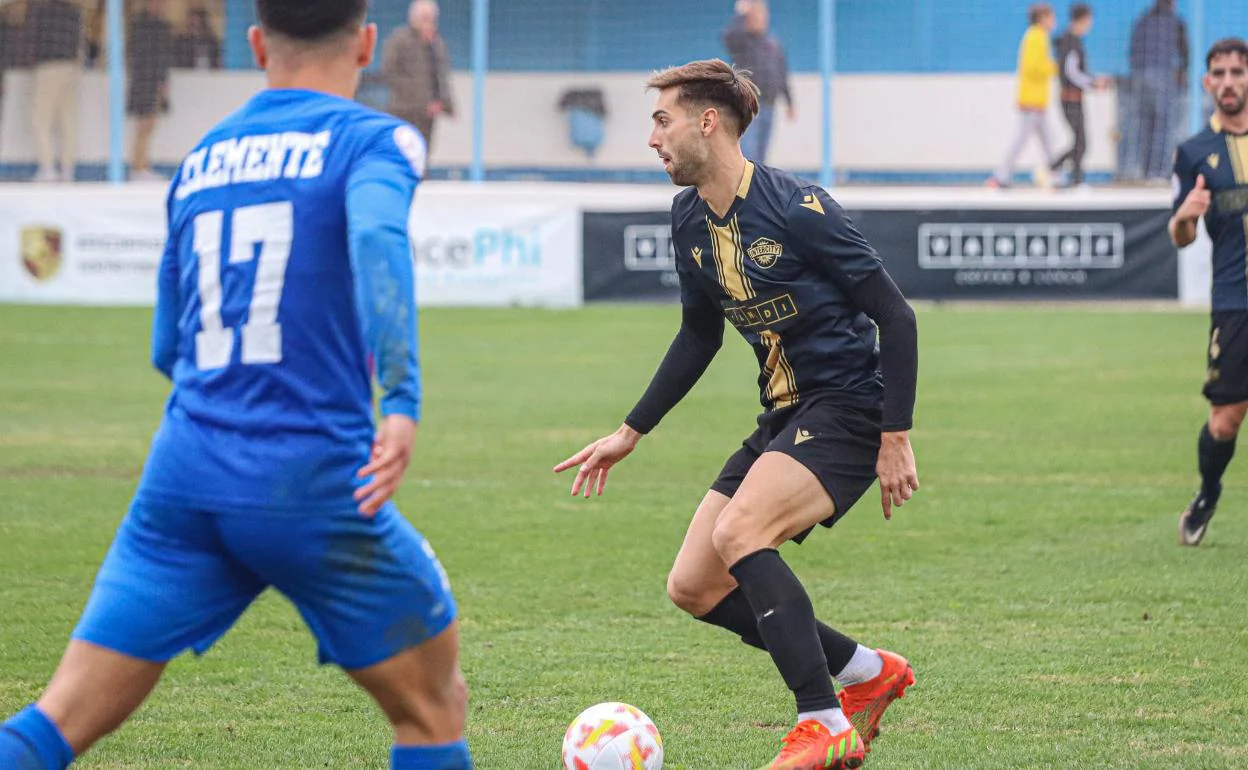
x=843 y=254
x=1191 y=201
x=698 y=339
x=379 y=199
x=168 y=307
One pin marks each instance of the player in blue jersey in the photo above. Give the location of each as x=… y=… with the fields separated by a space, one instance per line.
x=1211 y=182
x=286 y=280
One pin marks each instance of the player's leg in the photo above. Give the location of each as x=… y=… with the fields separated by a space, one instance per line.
x=1226 y=389
x=42 y=120
x=163 y=587
x=377 y=600
x=423 y=693
x=700 y=584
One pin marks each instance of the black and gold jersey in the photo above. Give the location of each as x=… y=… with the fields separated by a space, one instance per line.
x=1222 y=159
x=780 y=266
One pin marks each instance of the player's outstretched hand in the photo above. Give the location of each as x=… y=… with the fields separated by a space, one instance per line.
x=899 y=479
x=392 y=451
x=597 y=458
x=1196 y=204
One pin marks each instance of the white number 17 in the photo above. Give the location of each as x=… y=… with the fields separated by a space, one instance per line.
x=271 y=225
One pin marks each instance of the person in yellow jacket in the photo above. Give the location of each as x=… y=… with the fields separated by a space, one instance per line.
x=1036 y=70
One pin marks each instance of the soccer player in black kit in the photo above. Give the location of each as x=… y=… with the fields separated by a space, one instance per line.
x=781 y=262
x=1211 y=181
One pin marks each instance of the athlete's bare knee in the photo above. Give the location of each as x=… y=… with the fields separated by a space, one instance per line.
x=696 y=595
x=434 y=713
x=734 y=538
x=1225 y=421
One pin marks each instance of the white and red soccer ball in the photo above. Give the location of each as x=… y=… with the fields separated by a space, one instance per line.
x=612 y=736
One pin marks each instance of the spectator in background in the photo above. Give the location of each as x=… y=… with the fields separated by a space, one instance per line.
x=1159 y=58
x=752 y=48
x=54 y=34
x=1036 y=69
x=198 y=47
x=1073 y=60
x=149 y=56
x=416 y=66
x=8 y=50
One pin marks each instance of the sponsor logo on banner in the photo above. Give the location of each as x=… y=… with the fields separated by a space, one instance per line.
x=765 y=252
x=1020 y=254
x=649 y=247
x=41 y=251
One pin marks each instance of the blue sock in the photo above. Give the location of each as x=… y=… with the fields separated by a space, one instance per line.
x=31 y=741
x=450 y=756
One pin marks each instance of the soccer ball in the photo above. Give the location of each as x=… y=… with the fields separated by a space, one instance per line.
x=612 y=736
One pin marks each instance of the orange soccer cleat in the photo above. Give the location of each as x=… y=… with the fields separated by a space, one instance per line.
x=811 y=746
x=864 y=703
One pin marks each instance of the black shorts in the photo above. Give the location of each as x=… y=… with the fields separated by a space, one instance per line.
x=838 y=442
x=1227 y=378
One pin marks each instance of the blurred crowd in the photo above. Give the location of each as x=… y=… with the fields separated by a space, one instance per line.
x=57 y=40
x=1152 y=97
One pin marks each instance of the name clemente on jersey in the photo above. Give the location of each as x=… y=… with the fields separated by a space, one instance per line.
x=254 y=158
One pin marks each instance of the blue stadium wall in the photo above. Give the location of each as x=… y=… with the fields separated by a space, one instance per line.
x=873 y=36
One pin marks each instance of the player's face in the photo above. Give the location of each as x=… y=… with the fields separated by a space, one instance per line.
x=678 y=139
x=1227 y=82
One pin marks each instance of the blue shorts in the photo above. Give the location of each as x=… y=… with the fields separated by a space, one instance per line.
x=176 y=579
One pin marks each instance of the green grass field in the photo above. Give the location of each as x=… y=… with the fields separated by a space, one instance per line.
x=1035 y=582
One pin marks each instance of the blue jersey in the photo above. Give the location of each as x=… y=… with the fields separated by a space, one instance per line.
x=285 y=282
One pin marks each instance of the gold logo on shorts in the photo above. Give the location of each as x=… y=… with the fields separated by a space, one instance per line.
x=802 y=435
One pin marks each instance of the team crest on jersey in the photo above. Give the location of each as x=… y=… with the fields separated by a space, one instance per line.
x=41 y=251
x=412 y=145
x=1213 y=160
x=764 y=252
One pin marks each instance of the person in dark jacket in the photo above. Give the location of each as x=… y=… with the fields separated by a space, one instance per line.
x=1072 y=63
x=1159 y=59
x=149 y=55
x=198 y=47
x=754 y=49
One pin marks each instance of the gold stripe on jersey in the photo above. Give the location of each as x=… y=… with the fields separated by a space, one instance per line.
x=735 y=226
x=743 y=189
x=729 y=261
x=1237 y=147
x=781 y=381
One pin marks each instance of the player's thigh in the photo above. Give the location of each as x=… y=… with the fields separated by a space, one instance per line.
x=94 y=690
x=166 y=585
x=1226 y=381
x=814 y=470
x=368 y=588
x=699 y=578
x=421 y=690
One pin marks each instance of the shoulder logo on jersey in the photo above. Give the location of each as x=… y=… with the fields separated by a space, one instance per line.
x=809 y=201
x=41 y=252
x=697 y=255
x=1213 y=160
x=764 y=252
x=802 y=436
x=412 y=145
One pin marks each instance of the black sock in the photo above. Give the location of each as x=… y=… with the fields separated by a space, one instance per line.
x=735 y=615
x=786 y=624
x=1214 y=457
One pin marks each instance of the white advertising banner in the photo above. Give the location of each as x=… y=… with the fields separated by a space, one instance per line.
x=96 y=245
x=72 y=247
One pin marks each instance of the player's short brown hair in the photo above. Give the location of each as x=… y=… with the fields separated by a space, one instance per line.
x=1080 y=11
x=1227 y=45
x=714 y=83
x=1037 y=11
